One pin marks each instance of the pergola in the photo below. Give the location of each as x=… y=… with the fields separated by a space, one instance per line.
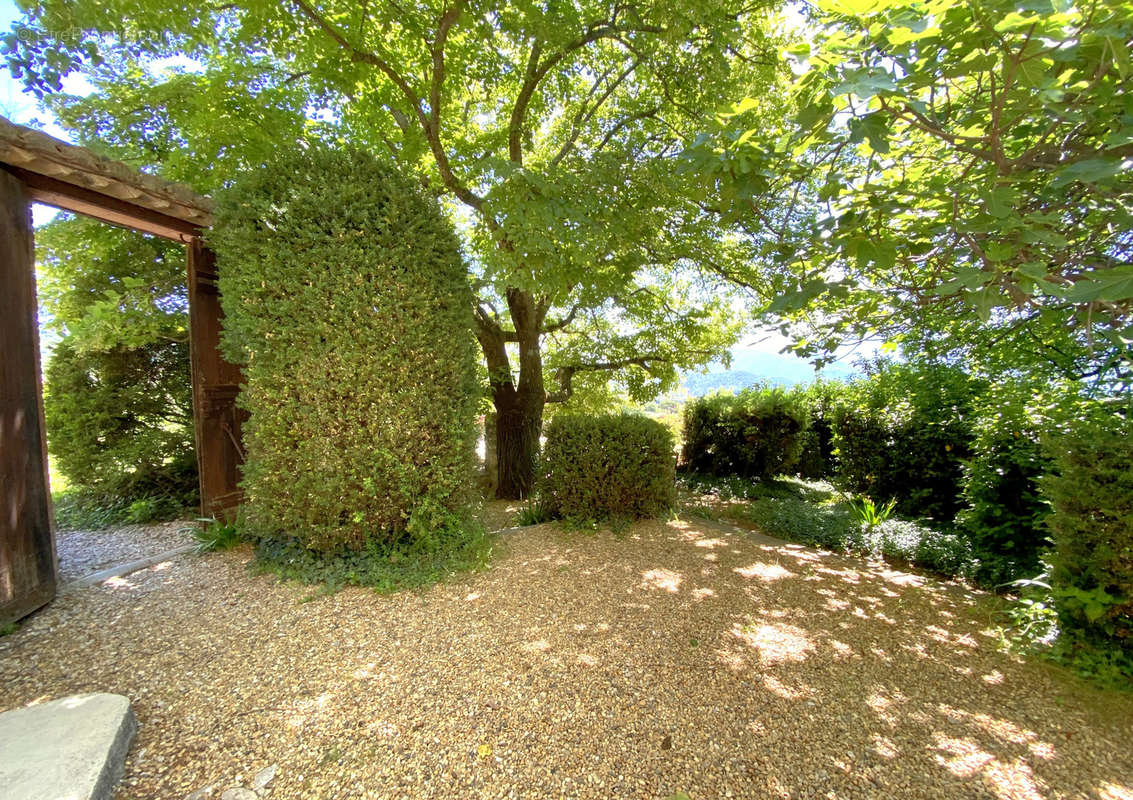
x=37 y=168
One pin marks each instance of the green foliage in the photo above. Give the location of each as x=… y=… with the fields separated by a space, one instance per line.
x=118 y=398
x=607 y=467
x=8 y=628
x=1005 y=513
x=119 y=423
x=548 y=129
x=903 y=433
x=817 y=460
x=938 y=163
x=1091 y=495
x=377 y=564
x=533 y=512
x=214 y=535
x=346 y=300
x=757 y=433
x=869 y=513
x=812 y=513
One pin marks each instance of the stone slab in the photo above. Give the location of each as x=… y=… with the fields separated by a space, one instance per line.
x=69 y=749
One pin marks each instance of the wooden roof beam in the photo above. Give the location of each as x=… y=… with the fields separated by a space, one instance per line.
x=69 y=197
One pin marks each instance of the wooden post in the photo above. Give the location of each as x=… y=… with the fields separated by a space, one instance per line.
x=28 y=567
x=216 y=383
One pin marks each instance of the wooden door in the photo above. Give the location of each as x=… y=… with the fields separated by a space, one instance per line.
x=216 y=383
x=28 y=567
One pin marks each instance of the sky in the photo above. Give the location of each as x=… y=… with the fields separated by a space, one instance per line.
x=757 y=353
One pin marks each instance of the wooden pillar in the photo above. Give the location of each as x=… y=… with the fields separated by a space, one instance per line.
x=216 y=383
x=28 y=567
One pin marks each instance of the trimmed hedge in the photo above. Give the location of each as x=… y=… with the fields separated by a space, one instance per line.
x=348 y=304
x=607 y=467
x=1005 y=513
x=817 y=460
x=1091 y=493
x=904 y=433
x=120 y=425
x=757 y=433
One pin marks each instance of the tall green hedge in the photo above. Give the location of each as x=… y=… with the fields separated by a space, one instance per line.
x=757 y=433
x=904 y=432
x=1005 y=513
x=348 y=304
x=1091 y=494
x=607 y=466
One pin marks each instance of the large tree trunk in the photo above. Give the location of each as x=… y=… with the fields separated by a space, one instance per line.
x=519 y=403
x=518 y=425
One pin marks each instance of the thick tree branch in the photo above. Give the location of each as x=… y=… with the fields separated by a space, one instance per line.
x=564 y=375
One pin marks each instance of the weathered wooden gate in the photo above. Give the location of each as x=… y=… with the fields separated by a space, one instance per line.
x=35 y=167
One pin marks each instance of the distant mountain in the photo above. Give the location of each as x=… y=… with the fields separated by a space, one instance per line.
x=732 y=379
x=751 y=365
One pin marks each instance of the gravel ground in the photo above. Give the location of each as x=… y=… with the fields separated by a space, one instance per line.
x=84 y=552
x=682 y=657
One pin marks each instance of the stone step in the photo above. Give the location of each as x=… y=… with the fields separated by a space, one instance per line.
x=71 y=748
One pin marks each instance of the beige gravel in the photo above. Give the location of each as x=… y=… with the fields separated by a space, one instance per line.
x=82 y=552
x=683 y=657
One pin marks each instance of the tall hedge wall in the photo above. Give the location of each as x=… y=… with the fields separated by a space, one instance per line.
x=347 y=302
x=1091 y=496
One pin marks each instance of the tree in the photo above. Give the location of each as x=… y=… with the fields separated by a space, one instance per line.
x=947 y=169
x=551 y=130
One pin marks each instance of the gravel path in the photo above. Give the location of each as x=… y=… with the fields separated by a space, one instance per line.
x=84 y=552
x=682 y=657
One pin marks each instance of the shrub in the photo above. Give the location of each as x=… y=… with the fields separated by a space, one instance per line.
x=347 y=302
x=1005 y=517
x=607 y=467
x=817 y=460
x=903 y=433
x=754 y=434
x=120 y=428
x=1091 y=494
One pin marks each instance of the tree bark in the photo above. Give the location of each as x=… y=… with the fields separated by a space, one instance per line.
x=518 y=427
x=518 y=403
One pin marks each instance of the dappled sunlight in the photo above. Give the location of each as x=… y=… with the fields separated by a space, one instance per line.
x=764 y=571
x=1113 y=791
x=884 y=746
x=664 y=579
x=709 y=543
x=537 y=646
x=703 y=593
x=1013 y=780
x=777 y=687
x=775 y=643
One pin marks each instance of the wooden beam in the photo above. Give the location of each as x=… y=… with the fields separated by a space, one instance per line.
x=28 y=567
x=69 y=197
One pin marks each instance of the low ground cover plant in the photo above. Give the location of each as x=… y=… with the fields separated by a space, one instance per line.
x=817 y=514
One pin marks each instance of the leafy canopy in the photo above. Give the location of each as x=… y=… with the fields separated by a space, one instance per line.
x=943 y=161
x=551 y=130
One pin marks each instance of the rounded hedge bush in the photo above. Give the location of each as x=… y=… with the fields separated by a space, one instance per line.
x=607 y=467
x=757 y=433
x=347 y=302
x=120 y=423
